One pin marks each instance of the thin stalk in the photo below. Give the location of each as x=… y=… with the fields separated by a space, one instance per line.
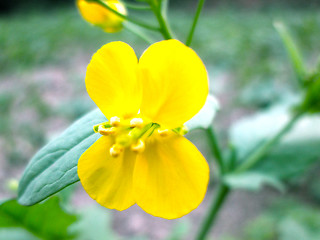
x=160 y=8
x=221 y=196
x=215 y=148
x=195 y=21
x=138 y=32
x=257 y=155
x=133 y=20
x=137 y=6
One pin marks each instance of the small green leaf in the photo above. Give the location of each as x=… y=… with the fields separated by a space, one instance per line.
x=252 y=181
x=311 y=102
x=54 y=167
x=46 y=220
x=204 y=118
x=293 y=51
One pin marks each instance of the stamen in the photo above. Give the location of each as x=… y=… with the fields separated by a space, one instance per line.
x=138 y=147
x=136 y=122
x=106 y=131
x=184 y=130
x=116 y=150
x=163 y=132
x=115 y=121
x=105 y=125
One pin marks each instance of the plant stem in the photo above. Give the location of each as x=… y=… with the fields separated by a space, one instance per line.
x=195 y=21
x=257 y=155
x=159 y=7
x=135 y=21
x=136 y=6
x=215 y=148
x=129 y=26
x=221 y=196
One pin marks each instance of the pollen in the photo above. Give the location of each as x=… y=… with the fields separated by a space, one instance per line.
x=136 y=122
x=116 y=150
x=115 y=121
x=138 y=147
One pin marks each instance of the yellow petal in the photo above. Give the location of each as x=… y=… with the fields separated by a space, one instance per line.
x=175 y=83
x=106 y=179
x=170 y=177
x=100 y=16
x=112 y=82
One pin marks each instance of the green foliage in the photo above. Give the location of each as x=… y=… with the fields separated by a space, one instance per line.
x=289 y=220
x=55 y=166
x=252 y=181
x=41 y=42
x=285 y=220
x=46 y=220
x=296 y=153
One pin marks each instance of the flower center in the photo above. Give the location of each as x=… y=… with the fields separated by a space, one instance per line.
x=132 y=133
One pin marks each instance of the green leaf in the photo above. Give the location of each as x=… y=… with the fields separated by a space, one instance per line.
x=292 y=50
x=54 y=167
x=46 y=220
x=252 y=181
x=204 y=118
x=293 y=156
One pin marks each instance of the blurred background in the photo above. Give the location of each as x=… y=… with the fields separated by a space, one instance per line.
x=45 y=47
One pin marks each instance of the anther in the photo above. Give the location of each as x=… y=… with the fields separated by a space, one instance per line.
x=163 y=133
x=183 y=130
x=115 y=121
x=136 y=122
x=138 y=147
x=116 y=150
x=106 y=131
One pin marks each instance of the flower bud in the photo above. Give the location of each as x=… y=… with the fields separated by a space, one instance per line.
x=101 y=16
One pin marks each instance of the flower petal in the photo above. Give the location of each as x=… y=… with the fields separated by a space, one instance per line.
x=170 y=177
x=106 y=179
x=112 y=82
x=175 y=83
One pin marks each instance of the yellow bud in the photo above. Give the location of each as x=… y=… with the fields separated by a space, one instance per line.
x=116 y=150
x=115 y=121
x=138 y=147
x=136 y=122
x=102 y=17
x=106 y=131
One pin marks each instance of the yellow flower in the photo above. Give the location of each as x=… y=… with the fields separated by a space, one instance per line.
x=102 y=17
x=142 y=156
